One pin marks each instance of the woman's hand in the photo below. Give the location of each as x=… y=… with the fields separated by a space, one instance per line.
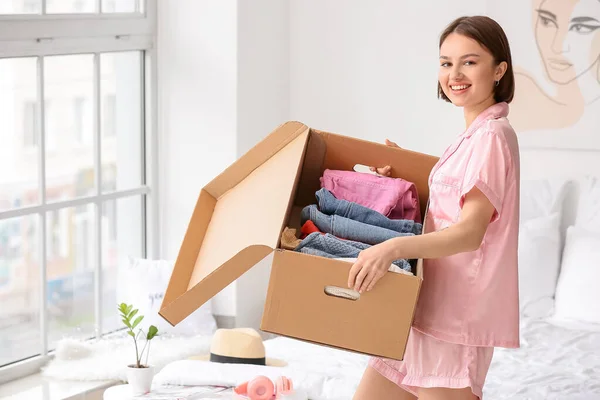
x=385 y=171
x=370 y=266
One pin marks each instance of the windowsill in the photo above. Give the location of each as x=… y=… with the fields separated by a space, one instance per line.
x=37 y=387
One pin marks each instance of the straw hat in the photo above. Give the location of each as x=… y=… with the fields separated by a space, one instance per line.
x=238 y=346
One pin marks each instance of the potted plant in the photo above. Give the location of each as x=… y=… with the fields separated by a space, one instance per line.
x=139 y=375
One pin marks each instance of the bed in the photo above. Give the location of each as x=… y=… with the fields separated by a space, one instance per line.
x=559 y=272
x=554 y=362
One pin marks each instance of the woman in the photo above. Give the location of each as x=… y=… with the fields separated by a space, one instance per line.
x=469 y=298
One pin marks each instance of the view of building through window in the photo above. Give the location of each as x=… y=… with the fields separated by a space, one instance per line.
x=74 y=234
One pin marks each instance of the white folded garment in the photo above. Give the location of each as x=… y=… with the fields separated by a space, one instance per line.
x=206 y=373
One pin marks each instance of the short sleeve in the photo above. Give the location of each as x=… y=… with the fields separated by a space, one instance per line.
x=487 y=169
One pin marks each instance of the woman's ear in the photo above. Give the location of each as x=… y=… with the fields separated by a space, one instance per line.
x=501 y=70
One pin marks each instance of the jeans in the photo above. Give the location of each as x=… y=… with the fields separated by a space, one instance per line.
x=347 y=228
x=330 y=205
x=329 y=246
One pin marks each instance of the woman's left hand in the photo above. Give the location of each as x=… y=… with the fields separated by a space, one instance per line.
x=370 y=266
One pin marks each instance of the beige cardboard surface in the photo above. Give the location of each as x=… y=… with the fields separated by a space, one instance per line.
x=378 y=323
x=252 y=212
x=237 y=221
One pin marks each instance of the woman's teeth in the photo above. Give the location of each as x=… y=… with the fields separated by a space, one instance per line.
x=460 y=87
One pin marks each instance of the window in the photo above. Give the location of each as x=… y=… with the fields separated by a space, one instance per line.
x=77 y=101
x=110 y=113
x=30 y=124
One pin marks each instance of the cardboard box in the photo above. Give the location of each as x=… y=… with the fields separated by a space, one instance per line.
x=238 y=221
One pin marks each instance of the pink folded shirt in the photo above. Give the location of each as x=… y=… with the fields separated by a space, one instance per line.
x=393 y=197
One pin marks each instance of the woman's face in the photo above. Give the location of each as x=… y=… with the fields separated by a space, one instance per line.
x=568 y=37
x=467 y=71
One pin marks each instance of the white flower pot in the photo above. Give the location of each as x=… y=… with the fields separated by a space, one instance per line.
x=140 y=379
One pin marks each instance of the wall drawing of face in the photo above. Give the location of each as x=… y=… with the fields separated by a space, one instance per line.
x=567 y=34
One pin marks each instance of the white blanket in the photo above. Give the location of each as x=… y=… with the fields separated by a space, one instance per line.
x=107 y=359
x=204 y=373
x=323 y=373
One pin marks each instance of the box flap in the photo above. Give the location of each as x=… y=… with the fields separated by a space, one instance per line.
x=237 y=221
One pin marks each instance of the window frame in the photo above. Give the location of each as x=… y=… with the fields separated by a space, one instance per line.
x=39 y=35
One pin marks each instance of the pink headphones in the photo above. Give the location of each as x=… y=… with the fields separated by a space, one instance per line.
x=262 y=388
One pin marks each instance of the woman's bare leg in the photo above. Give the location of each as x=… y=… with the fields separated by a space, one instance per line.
x=446 y=394
x=373 y=385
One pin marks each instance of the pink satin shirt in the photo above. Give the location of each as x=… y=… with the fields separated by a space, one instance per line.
x=472 y=298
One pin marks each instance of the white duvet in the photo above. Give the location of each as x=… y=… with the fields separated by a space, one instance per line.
x=552 y=363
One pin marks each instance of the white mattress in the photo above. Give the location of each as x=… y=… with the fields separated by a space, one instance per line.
x=552 y=363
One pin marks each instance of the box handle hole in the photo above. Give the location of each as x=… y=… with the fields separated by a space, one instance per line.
x=343 y=293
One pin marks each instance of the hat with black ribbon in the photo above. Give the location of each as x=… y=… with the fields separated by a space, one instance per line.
x=238 y=346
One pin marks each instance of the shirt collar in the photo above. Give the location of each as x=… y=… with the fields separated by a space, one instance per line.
x=498 y=110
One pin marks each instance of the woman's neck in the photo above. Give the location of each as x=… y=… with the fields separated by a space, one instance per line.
x=472 y=112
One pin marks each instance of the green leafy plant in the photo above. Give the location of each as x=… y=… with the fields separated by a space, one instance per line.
x=128 y=313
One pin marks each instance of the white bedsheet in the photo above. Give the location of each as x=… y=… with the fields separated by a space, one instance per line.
x=552 y=363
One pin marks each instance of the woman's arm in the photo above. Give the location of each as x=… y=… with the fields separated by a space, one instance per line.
x=465 y=235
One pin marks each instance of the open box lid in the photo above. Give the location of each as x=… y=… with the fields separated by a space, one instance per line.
x=237 y=220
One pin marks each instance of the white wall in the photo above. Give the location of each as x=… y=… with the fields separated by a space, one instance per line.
x=197 y=73
x=223 y=84
x=263 y=100
x=369 y=69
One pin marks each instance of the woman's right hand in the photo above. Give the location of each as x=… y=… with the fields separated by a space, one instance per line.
x=387 y=170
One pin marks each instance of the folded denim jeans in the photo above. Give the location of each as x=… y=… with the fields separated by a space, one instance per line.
x=329 y=246
x=330 y=205
x=395 y=198
x=347 y=228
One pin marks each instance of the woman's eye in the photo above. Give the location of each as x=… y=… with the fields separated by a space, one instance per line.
x=445 y=64
x=547 y=21
x=469 y=62
x=583 y=29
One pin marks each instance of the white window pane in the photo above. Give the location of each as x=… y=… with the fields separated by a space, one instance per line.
x=69 y=87
x=19 y=133
x=122 y=228
x=19 y=289
x=121 y=120
x=20 y=6
x=70 y=273
x=71 y=6
x=119 y=6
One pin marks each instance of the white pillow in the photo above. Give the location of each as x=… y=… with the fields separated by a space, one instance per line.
x=143 y=283
x=542 y=197
x=539 y=264
x=577 y=290
x=588 y=209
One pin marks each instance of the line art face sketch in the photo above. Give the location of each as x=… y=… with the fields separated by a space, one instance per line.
x=567 y=37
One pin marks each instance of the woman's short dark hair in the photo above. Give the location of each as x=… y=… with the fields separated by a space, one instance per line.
x=490 y=35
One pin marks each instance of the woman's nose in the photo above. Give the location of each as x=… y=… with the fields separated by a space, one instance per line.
x=456 y=74
x=560 y=44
